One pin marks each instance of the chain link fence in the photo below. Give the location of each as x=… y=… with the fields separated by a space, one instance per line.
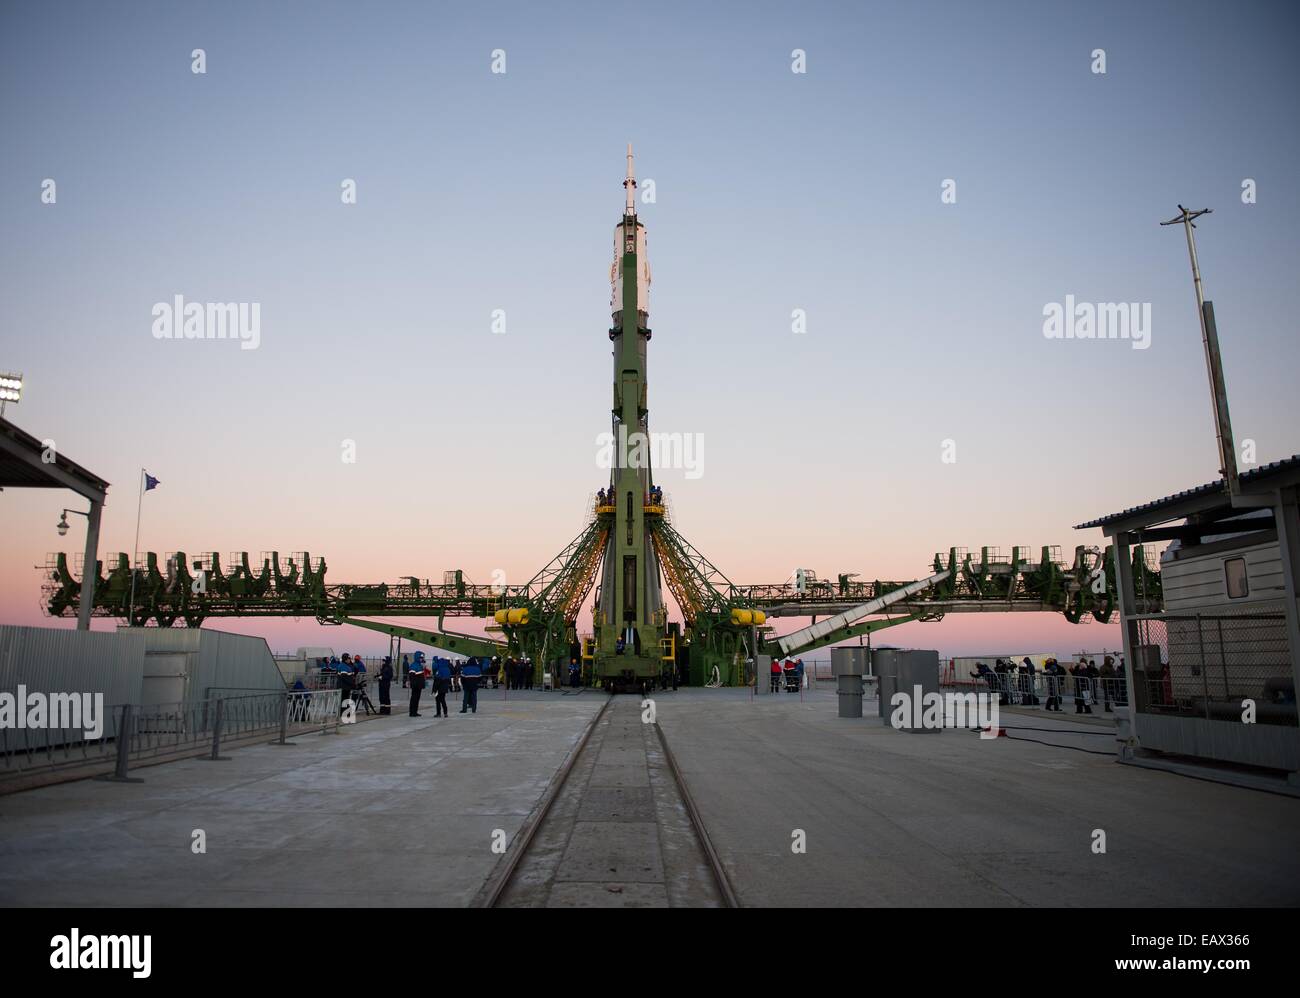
x=1216 y=666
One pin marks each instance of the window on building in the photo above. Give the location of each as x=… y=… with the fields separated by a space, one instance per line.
x=1235 y=571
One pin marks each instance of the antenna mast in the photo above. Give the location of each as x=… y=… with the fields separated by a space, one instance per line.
x=1213 y=359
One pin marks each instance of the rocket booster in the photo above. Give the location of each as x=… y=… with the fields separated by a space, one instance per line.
x=631 y=599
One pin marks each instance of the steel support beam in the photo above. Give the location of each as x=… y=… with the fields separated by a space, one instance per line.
x=89 y=565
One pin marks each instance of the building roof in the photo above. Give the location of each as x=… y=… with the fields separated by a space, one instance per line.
x=23 y=465
x=1209 y=494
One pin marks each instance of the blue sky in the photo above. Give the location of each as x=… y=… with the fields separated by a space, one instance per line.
x=775 y=191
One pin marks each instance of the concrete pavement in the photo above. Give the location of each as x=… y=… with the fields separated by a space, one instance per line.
x=392 y=812
x=893 y=818
x=401 y=812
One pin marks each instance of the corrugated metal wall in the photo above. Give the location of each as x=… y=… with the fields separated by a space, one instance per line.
x=1197 y=582
x=53 y=660
x=46 y=660
x=233 y=661
x=50 y=660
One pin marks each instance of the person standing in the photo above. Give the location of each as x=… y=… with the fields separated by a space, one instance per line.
x=1081 y=692
x=1052 y=672
x=441 y=684
x=470 y=674
x=1030 y=682
x=1107 y=678
x=346 y=681
x=455 y=677
x=415 y=680
x=386 y=685
x=1003 y=670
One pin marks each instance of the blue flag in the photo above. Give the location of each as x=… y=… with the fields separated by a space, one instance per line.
x=149 y=482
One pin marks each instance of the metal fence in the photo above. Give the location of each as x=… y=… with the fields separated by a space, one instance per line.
x=135 y=733
x=1208 y=665
x=1079 y=693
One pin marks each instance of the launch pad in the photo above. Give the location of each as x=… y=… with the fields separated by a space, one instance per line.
x=626 y=553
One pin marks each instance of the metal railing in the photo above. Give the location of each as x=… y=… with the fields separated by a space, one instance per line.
x=1208 y=664
x=135 y=733
x=1079 y=693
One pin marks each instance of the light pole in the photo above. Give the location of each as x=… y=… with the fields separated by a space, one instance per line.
x=89 y=567
x=1213 y=359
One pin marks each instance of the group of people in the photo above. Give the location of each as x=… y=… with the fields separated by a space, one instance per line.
x=452 y=669
x=791 y=672
x=654 y=497
x=444 y=675
x=1090 y=683
x=1088 y=678
x=349 y=673
x=441 y=672
x=344 y=665
x=515 y=673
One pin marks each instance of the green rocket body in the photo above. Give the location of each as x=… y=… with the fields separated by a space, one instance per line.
x=630 y=603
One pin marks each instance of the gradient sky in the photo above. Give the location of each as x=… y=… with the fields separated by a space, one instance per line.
x=775 y=191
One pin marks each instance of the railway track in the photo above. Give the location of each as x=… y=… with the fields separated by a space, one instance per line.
x=616 y=828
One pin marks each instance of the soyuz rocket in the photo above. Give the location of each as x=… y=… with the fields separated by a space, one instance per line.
x=630 y=603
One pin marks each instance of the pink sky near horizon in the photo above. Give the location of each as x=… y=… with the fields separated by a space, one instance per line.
x=178 y=514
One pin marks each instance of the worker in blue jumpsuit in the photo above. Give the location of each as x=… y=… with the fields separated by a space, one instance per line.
x=441 y=684
x=470 y=674
x=385 y=686
x=345 y=681
x=415 y=679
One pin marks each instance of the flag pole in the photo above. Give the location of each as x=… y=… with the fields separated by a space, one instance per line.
x=139 y=503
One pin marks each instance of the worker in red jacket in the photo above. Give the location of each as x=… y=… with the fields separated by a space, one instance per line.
x=776 y=675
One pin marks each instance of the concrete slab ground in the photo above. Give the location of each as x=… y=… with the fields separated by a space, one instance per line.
x=893 y=818
x=394 y=812
x=606 y=843
x=400 y=812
